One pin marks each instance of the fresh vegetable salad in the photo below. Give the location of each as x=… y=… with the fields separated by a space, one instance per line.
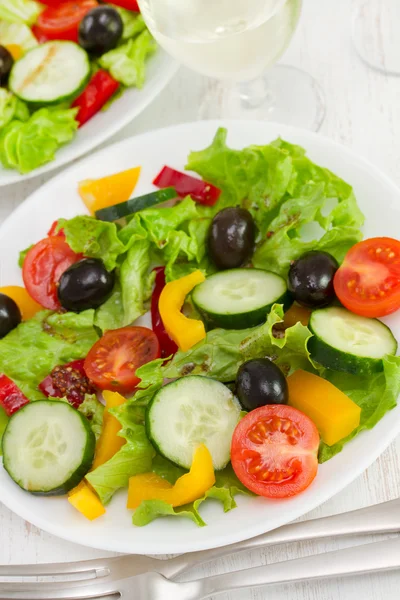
x=265 y=354
x=61 y=62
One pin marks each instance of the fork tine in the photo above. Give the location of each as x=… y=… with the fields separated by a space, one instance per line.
x=57 y=591
x=54 y=569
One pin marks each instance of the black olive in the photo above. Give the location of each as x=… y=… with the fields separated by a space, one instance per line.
x=10 y=315
x=231 y=238
x=100 y=30
x=6 y=63
x=260 y=382
x=311 y=279
x=85 y=284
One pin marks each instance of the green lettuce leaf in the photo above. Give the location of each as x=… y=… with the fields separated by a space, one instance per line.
x=149 y=510
x=27 y=146
x=31 y=350
x=93 y=410
x=17 y=33
x=135 y=280
x=133 y=458
x=20 y=11
x=375 y=395
x=22 y=255
x=133 y=23
x=94 y=239
x=127 y=63
x=3 y=425
x=110 y=315
x=11 y=108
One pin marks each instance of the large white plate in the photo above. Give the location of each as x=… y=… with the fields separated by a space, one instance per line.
x=379 y=199
x=160 y=70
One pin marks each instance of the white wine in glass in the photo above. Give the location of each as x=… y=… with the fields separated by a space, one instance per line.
x=240 y=40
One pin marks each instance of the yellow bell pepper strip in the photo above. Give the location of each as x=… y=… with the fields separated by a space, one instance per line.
x=334 y=413
x=86 y=501
x=189 y=487
x=296 y=314
x=15 y=50
x=25 y=303
x=110 y=190
x=109 y=442
x=185 y=332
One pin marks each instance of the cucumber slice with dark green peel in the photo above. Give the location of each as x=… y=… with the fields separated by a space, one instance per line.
x=134 y=205
x=48 y=447
x=191 y=411
x=239 y=298
x=50 y=73
x=343 y=341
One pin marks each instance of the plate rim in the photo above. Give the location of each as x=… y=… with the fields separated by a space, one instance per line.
x=167 y=73
x=321 y=496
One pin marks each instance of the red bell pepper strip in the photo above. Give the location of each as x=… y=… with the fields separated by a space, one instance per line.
x=11 y=397
x=127 y=4
x=67 y=381
x=98 y=91
x=167 y=345
x=53 y=233
x=201 y=191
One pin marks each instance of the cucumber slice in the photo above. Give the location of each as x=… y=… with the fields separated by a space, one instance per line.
x=347 y=342
x=48 y=447
x=124 y=209
x=50 y=73
x=191 y=411
x=239 y=298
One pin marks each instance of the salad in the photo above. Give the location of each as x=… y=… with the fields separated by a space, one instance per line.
x=194 y=342
x=61 y=62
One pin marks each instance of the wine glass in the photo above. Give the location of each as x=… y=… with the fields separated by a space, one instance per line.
x=375 y=34
x=239 y=41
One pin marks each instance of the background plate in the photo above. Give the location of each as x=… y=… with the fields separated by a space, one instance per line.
x=379 y=199
x=160 y=70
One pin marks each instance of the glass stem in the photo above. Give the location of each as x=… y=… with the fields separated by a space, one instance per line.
x=257 y=92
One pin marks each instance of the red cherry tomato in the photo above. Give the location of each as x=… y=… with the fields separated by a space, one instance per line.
x=112 y=362
x=43 y=266
x=368 y=282
x=53 y=233
x=274 y=451
x=128 y=4
x=60 y=21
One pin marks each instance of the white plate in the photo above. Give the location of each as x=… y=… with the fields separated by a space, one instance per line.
x=379 y=199
x=160 y=70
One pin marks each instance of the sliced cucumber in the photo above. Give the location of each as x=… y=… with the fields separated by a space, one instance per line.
x=48 y=447
x=191 y=411
x=50 y=73
x=239 y=298
x=124 y=209
x=347 y=342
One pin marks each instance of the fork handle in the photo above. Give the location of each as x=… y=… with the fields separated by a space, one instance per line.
x=379 y=556
x=379 y=518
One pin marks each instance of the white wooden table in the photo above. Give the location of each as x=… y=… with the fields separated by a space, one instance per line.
x=363 y=112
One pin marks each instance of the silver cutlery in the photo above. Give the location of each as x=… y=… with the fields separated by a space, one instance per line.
x=379 y=518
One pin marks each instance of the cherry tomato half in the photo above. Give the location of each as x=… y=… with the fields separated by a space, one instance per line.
x=43 y=266
x=127 y=4
x=60 y=21
x=274 y=451
x=368 y=282
x=112 y=362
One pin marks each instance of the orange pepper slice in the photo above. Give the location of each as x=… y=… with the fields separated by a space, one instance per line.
x=15 y=50
x=110 y=190
x=25 y=303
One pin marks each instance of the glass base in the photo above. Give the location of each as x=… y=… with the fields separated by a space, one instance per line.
x=283 y=94
x=375 y=34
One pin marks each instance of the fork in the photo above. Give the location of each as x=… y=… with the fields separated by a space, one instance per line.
x=379 y=556
x=378 y=518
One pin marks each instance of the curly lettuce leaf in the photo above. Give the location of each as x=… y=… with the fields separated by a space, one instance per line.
x=17 y=33
x=375 y=395
x=135 y=280
x=133 y=23
x=149 y=510
x=31 y=350
x=29 y=145
x=127 y=63
x=11 y=108
x=93 y=238
x=93 y=410
x=133 y=458
x=20 y=11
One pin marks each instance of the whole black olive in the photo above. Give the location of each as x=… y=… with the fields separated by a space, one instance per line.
x=6 y=63
x=10 y=315
x=260 y=382
x=85 y=284
x=231 y=238
x=100 y=30
x=310 y=279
